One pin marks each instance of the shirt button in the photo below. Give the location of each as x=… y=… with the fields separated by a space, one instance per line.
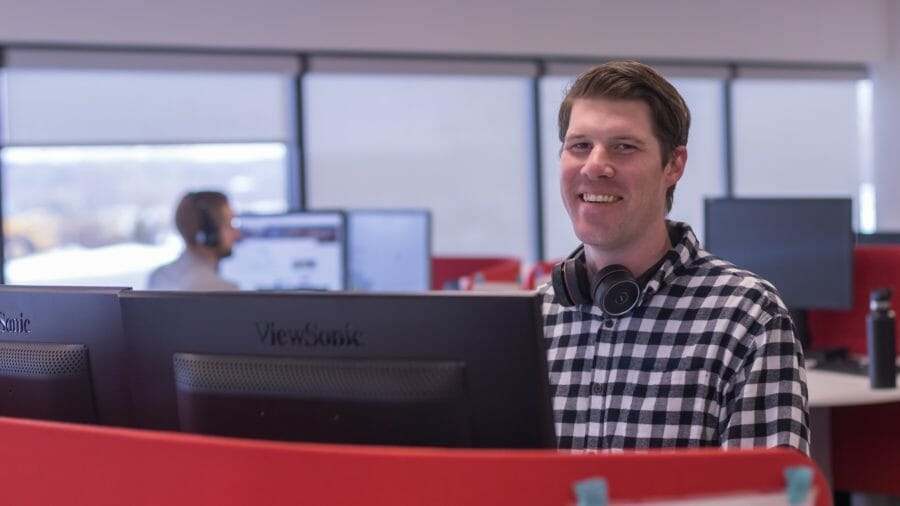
x=609 y=323
x=595 y=389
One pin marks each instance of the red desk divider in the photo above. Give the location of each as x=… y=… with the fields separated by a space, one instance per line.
x=452 y=270
x=58 y=463
x=874 y=266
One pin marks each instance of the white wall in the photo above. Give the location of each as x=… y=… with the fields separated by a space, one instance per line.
x=769 y=30
x=886 y=113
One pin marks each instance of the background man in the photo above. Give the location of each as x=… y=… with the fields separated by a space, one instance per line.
x=204 y=221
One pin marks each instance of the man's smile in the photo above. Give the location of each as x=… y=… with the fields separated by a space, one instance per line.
x=599 y=198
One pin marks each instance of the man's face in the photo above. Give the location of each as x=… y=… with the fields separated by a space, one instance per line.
x=612 y=179
x=228 y=235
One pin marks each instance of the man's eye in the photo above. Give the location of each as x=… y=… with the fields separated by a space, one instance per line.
x=579 y=146
x=623 y=147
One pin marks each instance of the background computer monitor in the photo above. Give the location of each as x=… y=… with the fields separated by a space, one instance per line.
x=454 y=370
x=389 y=250
x=804 y=246
x=62 y=355
x=292 y=251
x=878 y=238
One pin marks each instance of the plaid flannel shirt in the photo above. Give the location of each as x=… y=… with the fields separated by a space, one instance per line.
x=707 y=358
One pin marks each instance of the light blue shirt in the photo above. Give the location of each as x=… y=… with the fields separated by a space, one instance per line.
x=189 y=271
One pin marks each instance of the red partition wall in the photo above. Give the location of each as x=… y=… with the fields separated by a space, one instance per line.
x=865 y=448
x=453 y=269
x=55 y=463
x=874 y=266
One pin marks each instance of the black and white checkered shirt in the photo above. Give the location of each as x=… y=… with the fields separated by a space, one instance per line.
x=707 y=358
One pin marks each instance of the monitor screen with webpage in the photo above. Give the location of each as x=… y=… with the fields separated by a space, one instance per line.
x=389 y=250
x=293 y=251
x=62 y=355
x=803 y=246
x=431 y=369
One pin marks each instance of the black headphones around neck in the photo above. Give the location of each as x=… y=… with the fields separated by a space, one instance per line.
x=614 y=289
x=207 y=231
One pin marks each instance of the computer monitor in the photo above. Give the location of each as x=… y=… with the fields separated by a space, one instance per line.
x=292 y=251
x=804 y=246
x=878 y=238
x=389 y=250
x=431 y=369
x=62 y=355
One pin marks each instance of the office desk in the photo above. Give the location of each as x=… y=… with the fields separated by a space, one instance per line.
x=855 y=432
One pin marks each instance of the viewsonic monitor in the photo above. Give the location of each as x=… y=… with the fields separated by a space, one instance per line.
x=293 y=251
x=804 y=246
x=389 y=250
x=449 y=370
x=62 y=355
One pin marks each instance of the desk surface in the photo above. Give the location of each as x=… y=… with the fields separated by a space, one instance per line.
x=831 y=389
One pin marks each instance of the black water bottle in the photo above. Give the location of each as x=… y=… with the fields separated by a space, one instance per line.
x=880 y=332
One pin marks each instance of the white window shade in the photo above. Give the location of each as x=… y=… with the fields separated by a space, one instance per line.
x=457 y=145
x=796 y=138
x=69 y=97
x=110 y=107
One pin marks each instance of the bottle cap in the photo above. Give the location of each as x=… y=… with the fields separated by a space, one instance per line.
x=880 y=298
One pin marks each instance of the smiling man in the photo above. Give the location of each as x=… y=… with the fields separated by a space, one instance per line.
x=651 y=341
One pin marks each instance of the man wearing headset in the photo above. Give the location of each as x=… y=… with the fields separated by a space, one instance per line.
x=204 y=221
x=689 y=350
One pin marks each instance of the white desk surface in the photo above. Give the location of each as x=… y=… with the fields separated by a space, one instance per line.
x=831 y=389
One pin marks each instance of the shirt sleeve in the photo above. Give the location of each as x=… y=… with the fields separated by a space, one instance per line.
x=769 y=406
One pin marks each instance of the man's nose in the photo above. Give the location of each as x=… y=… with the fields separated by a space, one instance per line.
x=598 y=163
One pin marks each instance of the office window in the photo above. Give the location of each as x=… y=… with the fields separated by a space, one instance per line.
x=800 y=137
x=104 y=215
x=95 y=159
x=459 y=145
x=703 y=177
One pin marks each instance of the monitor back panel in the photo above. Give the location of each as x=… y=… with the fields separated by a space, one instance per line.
x=503 y=356
x=804 y=246
x=87 y=321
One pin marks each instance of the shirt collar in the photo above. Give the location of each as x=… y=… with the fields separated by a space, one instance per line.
x=685 y=248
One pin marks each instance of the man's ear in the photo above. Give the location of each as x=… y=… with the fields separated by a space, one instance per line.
x=675 y=168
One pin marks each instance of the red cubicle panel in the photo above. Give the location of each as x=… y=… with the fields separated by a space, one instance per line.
x=865 y=448
x=56 y=463
x=539 y=273
x=874 y=266
x=450 y=271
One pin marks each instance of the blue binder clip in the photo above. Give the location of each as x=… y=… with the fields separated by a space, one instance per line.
x=591 y=492
x=799 y=482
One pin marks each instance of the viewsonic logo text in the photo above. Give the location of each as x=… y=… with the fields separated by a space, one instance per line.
x=17 y=324
x=308 y=335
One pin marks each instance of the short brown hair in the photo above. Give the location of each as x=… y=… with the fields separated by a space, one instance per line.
x=189 y=215
x=631 y=80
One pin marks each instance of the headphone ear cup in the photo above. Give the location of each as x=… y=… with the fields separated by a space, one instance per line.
x=615 y=290
x=208 y=234
x=557 y=279
x=212 y=237
x=207 y=237
x=570 y=283
x=577 y=281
